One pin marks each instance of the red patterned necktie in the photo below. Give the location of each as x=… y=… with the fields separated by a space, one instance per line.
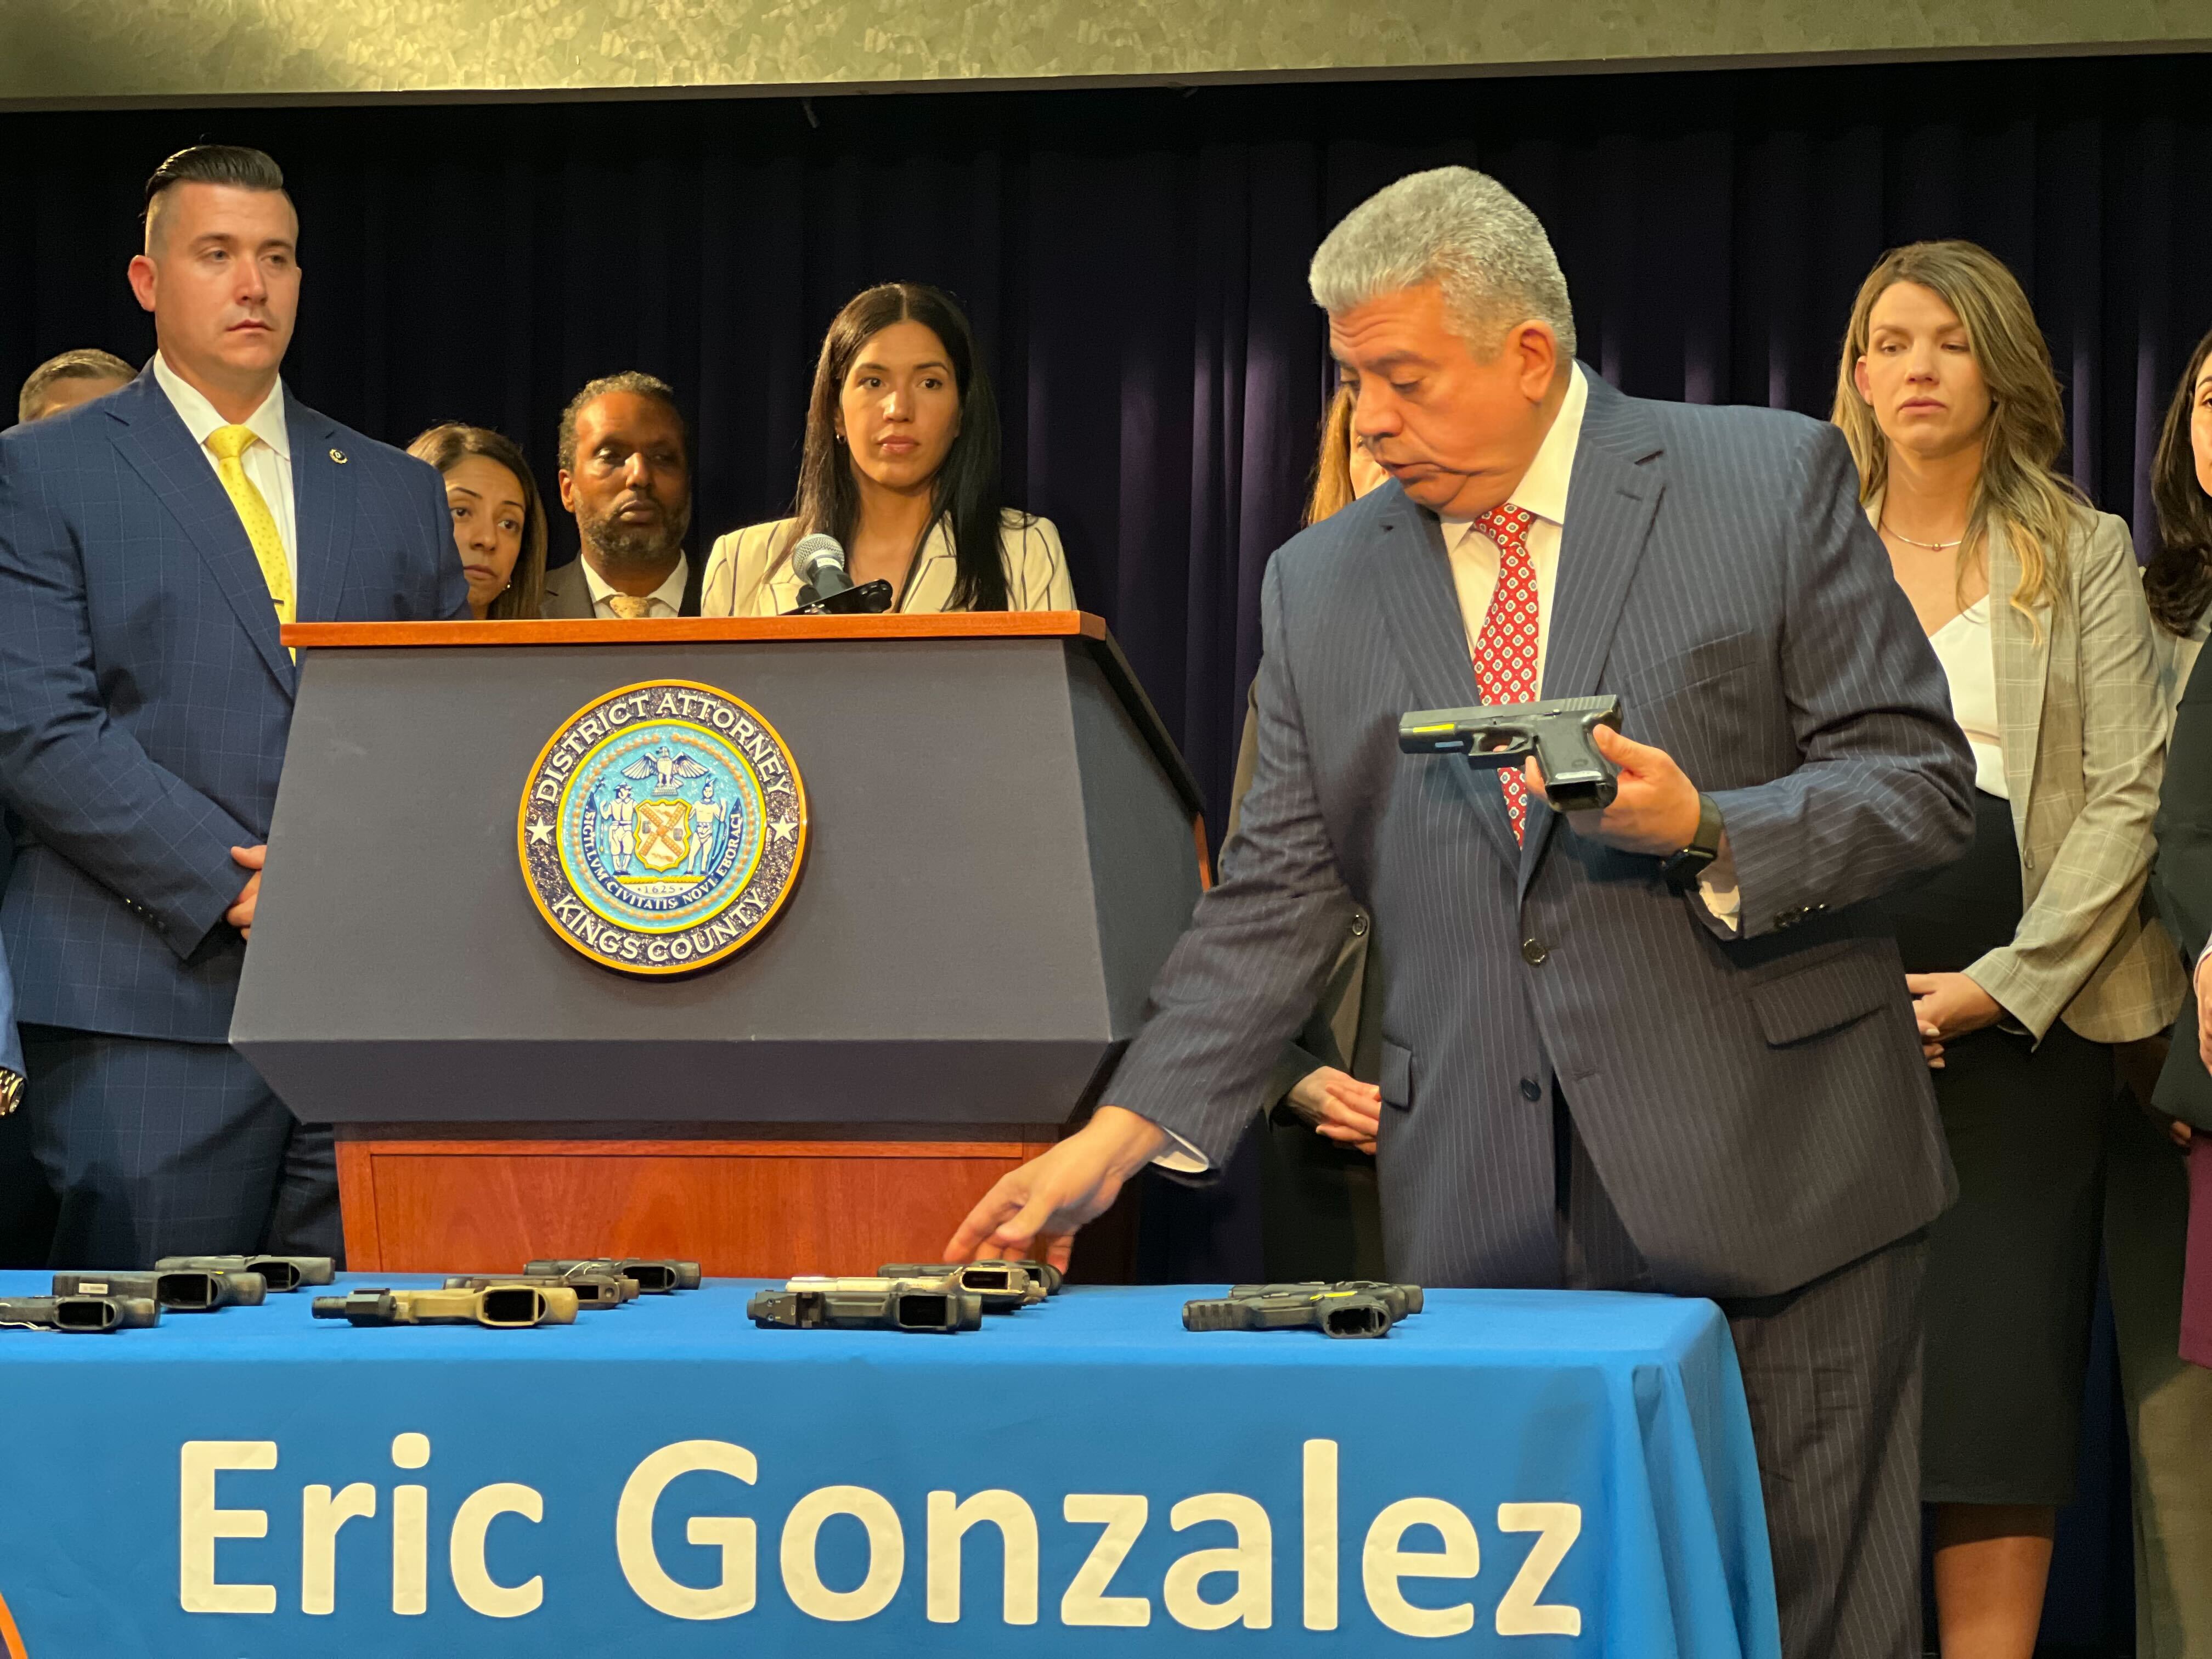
x=1505 y=650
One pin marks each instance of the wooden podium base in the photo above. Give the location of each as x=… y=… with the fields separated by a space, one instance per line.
x=417 y=1200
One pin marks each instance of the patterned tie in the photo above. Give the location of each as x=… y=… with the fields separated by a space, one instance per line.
x=629 y=607
x=1505 y=650
x=228 y=444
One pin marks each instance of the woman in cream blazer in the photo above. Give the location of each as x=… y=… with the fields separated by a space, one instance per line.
x=748 y=571
x=2034 y=957
x=901 y=466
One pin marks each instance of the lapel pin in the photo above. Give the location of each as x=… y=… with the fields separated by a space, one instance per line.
x=338 y=455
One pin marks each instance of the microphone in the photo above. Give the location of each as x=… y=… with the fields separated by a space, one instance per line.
x=819 y=559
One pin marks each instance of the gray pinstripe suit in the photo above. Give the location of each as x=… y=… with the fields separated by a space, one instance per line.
x=1756 y=1109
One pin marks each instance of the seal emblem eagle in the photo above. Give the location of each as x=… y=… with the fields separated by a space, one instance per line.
x=662 y=827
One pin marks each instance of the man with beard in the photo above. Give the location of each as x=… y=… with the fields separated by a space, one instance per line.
x=626 y=474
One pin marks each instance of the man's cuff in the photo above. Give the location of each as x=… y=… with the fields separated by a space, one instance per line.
x=1182 y=1158
x=1718 y=886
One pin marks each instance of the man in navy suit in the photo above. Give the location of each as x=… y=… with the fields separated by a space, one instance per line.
x=1660 y=1047
x=152 y=542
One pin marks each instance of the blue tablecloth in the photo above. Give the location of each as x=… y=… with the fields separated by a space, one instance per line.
x=1082 y=1478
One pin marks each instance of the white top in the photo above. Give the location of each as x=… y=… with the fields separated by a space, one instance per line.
x=1970 y=666
x=268 y=462
x=666 y=600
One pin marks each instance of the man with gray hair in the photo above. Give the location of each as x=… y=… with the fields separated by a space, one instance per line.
x=1660 y=1046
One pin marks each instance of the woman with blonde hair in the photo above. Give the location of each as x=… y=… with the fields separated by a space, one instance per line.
x=2032 y=957
x=1343 y=470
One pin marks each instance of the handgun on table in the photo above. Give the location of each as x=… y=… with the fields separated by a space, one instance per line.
x=80 y=1315
x=655 y=1275
x=1334 y=1310
x=939 y=1304
x=178 y=1290
x=1005 y=1286
x=594 y=1290
x=1559 y=733
x=501 y=1307
x=1404 y=1299
x=282 y=1272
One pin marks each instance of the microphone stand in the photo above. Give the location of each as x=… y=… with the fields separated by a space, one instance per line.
x=868 y=599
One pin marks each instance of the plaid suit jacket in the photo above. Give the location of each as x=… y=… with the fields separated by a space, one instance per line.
x=1756 y=1103
x=145 y=696
x=2085 y=725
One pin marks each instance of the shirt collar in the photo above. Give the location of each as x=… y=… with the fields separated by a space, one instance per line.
x=1543 y=488
x=669 y=592
x=201 y=420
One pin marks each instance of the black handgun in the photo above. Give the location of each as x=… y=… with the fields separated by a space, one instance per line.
x=1557 y=731
x=178 y=1290
x=1403 y=1298
x=593 y=1289
x=655 y=1276
x=939 y=1304
x=1336 y=1310
x=282 y=1273
x=1005 y=1286
x=80 y=1315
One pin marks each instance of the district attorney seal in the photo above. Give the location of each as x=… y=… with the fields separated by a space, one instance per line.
x=662 y=827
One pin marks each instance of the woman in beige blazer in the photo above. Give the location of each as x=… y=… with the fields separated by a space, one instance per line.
x=2029 y=959
x=902 y=466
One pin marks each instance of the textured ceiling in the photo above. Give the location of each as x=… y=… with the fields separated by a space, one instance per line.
x=73 y=50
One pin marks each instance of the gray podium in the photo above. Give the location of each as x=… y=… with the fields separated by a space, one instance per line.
x=1003 y=845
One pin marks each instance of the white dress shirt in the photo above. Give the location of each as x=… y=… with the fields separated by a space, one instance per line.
x=1543 y=491
x=268 y=462
x=666 y=600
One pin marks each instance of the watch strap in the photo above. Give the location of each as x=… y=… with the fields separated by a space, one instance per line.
x=1682 y=869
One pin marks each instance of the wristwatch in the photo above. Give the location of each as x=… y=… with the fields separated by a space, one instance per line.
x=1682 y=869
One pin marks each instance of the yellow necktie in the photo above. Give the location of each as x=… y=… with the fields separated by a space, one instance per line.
x=629 y=607
x=228 y=444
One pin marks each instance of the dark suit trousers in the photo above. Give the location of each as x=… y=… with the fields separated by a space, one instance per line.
x=1832 y=1373
x=155 y=1149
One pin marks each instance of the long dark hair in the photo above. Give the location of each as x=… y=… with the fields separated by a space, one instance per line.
x=443 y=446
x=2178 y=581
x=966 y=486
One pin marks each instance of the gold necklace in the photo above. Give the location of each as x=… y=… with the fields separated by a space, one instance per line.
x=1932 y=547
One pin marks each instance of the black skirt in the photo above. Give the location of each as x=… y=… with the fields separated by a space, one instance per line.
x=2012 y=1266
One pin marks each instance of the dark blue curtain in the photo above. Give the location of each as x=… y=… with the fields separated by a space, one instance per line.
x=1135 y=261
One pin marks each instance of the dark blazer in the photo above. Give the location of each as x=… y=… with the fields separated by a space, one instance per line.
x=2181 y=882
x=1757 y=1106
x=145 y=698
x=568 y=596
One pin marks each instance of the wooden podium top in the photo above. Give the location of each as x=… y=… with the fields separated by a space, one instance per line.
x=967 y=625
